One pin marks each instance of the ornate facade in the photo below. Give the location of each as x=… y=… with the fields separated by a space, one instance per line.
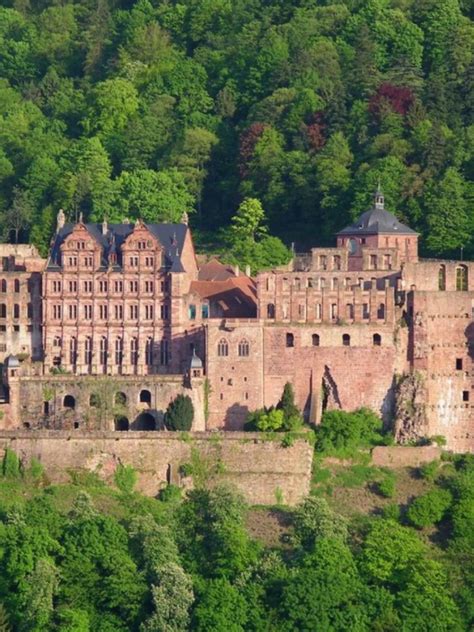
x=127 y=309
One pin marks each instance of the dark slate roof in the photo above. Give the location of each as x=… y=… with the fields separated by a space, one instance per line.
x=377 y=221
x=170 y=236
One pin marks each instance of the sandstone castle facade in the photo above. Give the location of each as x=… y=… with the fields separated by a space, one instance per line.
x=122 y=317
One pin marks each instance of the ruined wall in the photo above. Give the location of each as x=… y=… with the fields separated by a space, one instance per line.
x=257 y=468
x=352 y=376
x=40 y=402
x=443 y=353
x=401 y=456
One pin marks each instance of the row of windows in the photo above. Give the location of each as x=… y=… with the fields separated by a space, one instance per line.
x=321 y=283
x=204 y=311
x=462 y=278
x=102 y=312
x=334 y=313
x=346 y=340
x=16 y=310
x=4 y=286
x=153 y=351
x=102 y=286
x=243 y=348
x=133 y=261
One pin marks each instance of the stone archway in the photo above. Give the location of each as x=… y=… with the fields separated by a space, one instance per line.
x=121 y=423
x=144 y=421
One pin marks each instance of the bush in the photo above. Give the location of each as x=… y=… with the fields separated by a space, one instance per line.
x=11 y=467
x=429 y=508
x=386 y=487
x=125 y=478
x=341 y=431
x=391 y=512
x=180 y=413
x=170 y=493
x=429 y=471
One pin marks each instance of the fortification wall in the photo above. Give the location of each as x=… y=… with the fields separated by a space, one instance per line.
x=256 y=467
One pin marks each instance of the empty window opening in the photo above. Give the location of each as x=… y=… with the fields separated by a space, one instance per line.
x=270 y=310
x=377 y=339
x=346 y=340
x=465 y=396
x=69 y=402
x=290 y=340
x=121 y=423
x=145 y=397
x=315 y=339
x=458 y=364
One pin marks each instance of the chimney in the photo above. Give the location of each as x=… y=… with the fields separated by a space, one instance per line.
x=60 y=220
x=236 y=270
x=247 y=270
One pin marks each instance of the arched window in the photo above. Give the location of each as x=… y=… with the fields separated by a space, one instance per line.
x=442 y=278
x=3 y=310
x=73 y=350
x=120 y=399
x=461 y=278
x=16 y=286
x=222 y=348
x=3 y=286
x=350 y=311
x=377 y=340
x=149 y=351
x=346 y=340
x=244 y=348
x=315 y=339
x=290 y=340
x=69 y=402
x=381 y=311
x=134 y=351
x=16 y=311
x=121 y=423
x=88 y=350
x=118 y=351
x=145 y=396
x=270 y=310
x=57 y=342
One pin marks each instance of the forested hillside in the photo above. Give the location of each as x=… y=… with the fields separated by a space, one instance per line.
x=124 y=109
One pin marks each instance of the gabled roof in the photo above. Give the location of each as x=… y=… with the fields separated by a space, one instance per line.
x=237 y=296
x=377 y=221
x=214 y=270
x=170 y=236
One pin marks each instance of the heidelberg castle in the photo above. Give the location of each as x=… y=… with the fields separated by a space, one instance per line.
x=121 y=318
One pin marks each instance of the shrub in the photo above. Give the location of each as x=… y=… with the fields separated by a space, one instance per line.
x=429 y=508
x=392 y=512
x=440 y=440
x=386 y=487
x=270 y=421
x=180 y=413
x=170 y=493
x=11 y=464
x=125 y=478
x=429 y=471
x=343 y=431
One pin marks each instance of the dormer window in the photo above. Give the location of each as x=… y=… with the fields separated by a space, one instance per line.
x=141 y=245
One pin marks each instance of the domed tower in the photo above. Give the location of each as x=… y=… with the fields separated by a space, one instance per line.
x=377 y=228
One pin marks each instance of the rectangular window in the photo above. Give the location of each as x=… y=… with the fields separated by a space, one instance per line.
x=149 y=286
x=118 y=286
x=72 y=312
x=118 y=312
x=103 y=286
x=365 y=311
x=149 y=262
x=133 y=287
x=373 y=262
x=133 y=262
x=133 y=311
x=318 y=311
x=73 y=286
x=334 y=311
x=56 y=286
x=458 y=364
x=72 y=262
x=88 y=287
x=192 y=312
x=88 y=262
x=164 y=312
x=465 y=396
x=205 y=310
x=164 y=352
x=148 y=312
x=103 y=312
x=57 y=312
x=87 y=312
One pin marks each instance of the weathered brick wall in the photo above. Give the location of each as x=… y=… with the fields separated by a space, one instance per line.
x=357 y=375
x=257 y=468
x=443 y=353
x=402 y=456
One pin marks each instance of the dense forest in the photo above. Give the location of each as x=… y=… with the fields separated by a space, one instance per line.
x=115 y=108
x=86 y=557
